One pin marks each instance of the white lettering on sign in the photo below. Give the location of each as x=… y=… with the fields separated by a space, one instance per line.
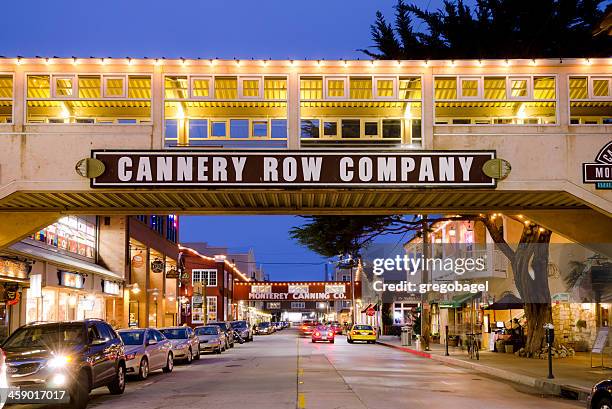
x=164 y=168
x=346 y=172
x=219 y=169
x=144 y=170
x=426 y=172
x=466 y=165
x=124 y=174
x=387 y=169
x=312 y=168
x=239 y=167
x=270 y=171
x=184 y=169
x=202 y=169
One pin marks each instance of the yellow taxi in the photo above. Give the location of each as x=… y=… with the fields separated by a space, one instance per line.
x=361 y=332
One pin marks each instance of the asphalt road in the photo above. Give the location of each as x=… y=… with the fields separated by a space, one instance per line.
x=284 y=371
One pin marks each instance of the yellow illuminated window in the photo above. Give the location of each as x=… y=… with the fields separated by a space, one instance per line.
x=311 y=88
x=90 y=86
x=6 y=86
x=469 y=88
x=200 y=87
x=139 y=86
x=114 y=87
x=601 y=87
x=175 y=87
x=544 y=87
x=250 y=88
x=495 y=87
x=335 y=88
x=275 y=88
x=445 y=88
x=63 y=86
x=578 y=88
x=384 y=88
x=518 y=87
x=226 y=88
x=39 y=86
x=360 y=88
x=410 y=88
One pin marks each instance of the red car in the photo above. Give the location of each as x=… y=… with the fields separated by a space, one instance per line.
x=307 y=328
x=323 y=333
x=337 y=327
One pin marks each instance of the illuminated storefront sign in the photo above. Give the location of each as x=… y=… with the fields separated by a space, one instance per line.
x=72 y=234
x=305 y=169
x=73 y=280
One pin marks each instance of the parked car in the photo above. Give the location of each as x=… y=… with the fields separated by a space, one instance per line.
x=212 y=339
x=337 y=327
x=601 y=395
x=323 y=333
x=307 y=328
x=264 y=328
x=227 y=330
x=185 y=345
x=360 y=332
x=78 y=356
x=146 y=350
x=243 y=328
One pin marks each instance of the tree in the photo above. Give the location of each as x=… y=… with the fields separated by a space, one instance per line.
x=334 y=235
x=492 y=29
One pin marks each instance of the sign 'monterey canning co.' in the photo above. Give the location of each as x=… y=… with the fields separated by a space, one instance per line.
x=287 y=169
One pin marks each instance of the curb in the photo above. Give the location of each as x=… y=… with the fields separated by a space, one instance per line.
x=545 y=386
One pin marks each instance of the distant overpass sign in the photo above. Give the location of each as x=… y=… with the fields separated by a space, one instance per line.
x=293 y=169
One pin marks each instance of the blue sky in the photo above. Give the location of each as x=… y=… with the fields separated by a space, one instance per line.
x=278 y=29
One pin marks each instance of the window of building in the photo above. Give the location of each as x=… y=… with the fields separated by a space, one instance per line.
x=470 y=87
x=63 y=86
x=142 y=218
x=259 y=129
x=298 y=305
x=410 y=88
x=600 y=87
x=251 y=87
x=6 y=99
x=445 y=88
x=495 y=88
x=371 y=128
x=172 y=228
x=519 y=87
x=176 y=87
x=311 y=88
x=219 y=128
x=198 y=129
x=392 y=128
x=139 y=87
x=336 y=87
x=226 y=88
x=590 y=100
x=309 y=128
x=360 y=87
x=114 y=87
x=72 y=234
x=330 y=128
x=90 y=86
x=157 y=224
x=544 y=88
x=204 y=276
x=211 y=308
x=278 y=128
x=385 y=87
x=275 y=88
x=351 y=128
x=239 y=128
x=201 y=87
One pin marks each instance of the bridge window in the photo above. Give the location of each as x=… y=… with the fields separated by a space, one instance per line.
x=88 y=99
x=360 y=110
x=219 y=110
x=495 y=100
x=6 y=99
x=590 y=100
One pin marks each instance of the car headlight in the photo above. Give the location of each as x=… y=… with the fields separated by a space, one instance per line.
x=59 y=361
x=129 y=357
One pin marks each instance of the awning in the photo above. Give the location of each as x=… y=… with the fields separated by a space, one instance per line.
x=41 y=254
x=507 y=302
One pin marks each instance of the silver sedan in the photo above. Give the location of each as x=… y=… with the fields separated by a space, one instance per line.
x=185 y=345
x=211 y=338
x=146 y=350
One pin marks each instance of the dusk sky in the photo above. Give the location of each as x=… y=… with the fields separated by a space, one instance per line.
x=277 y=29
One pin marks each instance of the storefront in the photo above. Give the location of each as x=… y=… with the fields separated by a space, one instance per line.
x=13 y=279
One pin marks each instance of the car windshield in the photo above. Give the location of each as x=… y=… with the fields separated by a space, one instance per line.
x=363 y=327
x=174 y=333
x=220 y=325
x=321 y=327
x=42 y=336
x=263 y=324
x=132 y=337
x=206 y=331
x=239 y=324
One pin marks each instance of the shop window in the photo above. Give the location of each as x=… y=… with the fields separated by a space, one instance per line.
x=309 y=128
x=6 y=98
x=90 y=86
x=336 y=87
x=385 y=87
x=278 y=128
x=175 y=87
x=259 y=129
x=410 y=88
x=494 y=87
x=114 y=87
x=311 y=88
x=392 y=128
x=201 y=87
x=330 y=128
x=360 y=87
x=445 y=88
x=226 y=88
x=275 y=88
x=351 y=128
x=239 y=128
x=250 y=88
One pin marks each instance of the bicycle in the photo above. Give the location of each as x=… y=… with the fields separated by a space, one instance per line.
x=473 y=346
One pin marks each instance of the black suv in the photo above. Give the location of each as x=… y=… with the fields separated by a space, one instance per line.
x=77 y=356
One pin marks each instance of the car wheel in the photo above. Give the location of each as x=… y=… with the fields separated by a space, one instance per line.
x=143 y=369
x=218 y=351
x=604 y=403
x=331 y=342
x=350 y=341
x=117 y=386
x=79 y=393
x=313 y=341
x=197 y=357
x=189 y=358
x=169 y=364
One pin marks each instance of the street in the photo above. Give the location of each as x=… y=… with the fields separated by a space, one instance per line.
x=284 y=371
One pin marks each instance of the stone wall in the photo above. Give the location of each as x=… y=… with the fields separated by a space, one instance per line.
x=565 y=317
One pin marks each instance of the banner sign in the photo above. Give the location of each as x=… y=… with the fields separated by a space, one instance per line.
x=599 y=172
x=286 y=169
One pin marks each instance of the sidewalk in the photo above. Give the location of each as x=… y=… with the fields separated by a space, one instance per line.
x=574 y=376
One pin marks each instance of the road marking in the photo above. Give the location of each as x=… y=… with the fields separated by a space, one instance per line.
x=301 y=404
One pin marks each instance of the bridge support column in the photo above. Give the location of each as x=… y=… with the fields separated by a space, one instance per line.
x=17 y=225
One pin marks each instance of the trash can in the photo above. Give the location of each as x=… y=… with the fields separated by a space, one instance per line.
x=406 y=336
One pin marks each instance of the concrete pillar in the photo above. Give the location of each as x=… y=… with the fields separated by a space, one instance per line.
x=157 y=108
x=16 y=226
x=563 y=100
x=427 y=87
x=293 y=111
